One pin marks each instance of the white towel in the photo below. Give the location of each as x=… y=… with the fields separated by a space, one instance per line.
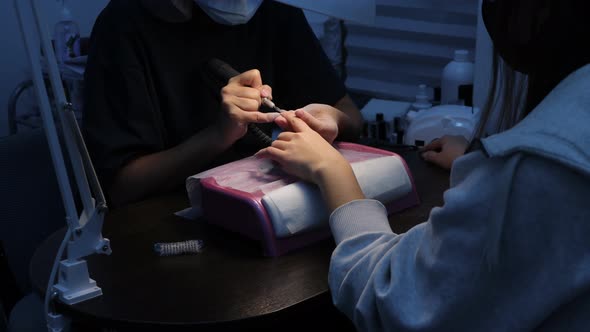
x=299 y=207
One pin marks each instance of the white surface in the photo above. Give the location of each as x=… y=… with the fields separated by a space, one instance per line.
x=299 y=207
x=296 y=206
x=438 y=121
x=409 y=44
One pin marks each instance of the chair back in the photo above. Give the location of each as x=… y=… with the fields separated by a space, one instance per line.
x=31 y=207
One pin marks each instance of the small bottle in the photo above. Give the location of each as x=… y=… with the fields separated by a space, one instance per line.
x=422 y=99
x=66 y=36
x=399 y=128
x=458 y=72
x=381 y=127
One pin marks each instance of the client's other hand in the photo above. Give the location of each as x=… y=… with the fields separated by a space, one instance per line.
x=303 y=152
x=445 y=150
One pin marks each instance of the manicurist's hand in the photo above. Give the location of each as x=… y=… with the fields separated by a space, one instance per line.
x=307 y=155
x=445 y=150
x=241 y=99
x=321 y=118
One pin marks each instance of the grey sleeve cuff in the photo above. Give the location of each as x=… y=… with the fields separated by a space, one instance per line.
x=359 y=216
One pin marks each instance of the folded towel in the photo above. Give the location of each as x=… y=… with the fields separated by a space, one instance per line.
x=299 y=207
x=295 y=206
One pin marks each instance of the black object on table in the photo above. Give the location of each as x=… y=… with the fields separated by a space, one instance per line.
x=229 y=286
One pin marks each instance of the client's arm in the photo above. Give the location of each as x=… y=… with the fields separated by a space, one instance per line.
x=307 y=155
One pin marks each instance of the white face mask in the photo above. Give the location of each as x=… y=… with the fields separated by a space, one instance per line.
x=230 y=12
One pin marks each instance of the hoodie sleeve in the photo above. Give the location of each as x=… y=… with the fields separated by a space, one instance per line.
x=434 y=276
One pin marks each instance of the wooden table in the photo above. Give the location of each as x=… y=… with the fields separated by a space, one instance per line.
x=229 y=286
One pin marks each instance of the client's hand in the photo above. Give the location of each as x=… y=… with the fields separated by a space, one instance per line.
x=241 y=99
x=319 y=117
x=306 y=154
x=302 y=152
x=445 y=150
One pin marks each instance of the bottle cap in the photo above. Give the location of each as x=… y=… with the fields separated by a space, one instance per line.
x=66 y=14
x=462 y=55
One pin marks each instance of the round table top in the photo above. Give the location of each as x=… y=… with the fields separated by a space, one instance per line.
x=229 y=283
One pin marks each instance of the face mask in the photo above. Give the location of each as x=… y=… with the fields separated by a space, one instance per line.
x=230 y=12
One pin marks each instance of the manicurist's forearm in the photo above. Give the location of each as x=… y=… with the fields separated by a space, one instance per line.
x=166 y=169
x=350 y=121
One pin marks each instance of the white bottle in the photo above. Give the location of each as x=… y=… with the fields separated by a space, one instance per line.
x=458 y=72
x=66 y=35
x=422 y=103
x=422 y=99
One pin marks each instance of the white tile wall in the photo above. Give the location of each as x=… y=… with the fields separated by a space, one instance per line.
x=409 y=44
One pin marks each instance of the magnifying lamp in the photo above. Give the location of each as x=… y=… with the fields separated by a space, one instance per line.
x=84 y=231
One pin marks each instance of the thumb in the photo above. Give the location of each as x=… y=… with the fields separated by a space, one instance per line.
x=434 y=145
x=431 y=156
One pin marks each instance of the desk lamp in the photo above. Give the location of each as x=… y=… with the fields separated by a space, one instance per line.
x=84 y=231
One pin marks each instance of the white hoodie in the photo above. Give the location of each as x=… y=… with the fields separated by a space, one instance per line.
x=508 y=251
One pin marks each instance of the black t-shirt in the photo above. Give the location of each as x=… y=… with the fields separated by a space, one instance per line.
x=145 y=90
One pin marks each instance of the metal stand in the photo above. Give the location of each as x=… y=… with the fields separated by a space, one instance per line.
x=84 y=236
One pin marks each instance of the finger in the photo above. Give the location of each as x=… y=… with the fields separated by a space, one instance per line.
x=433 y=157
x=309 y=119
x=251 y=78
x=246 y=104
x=434 y=145
x=282 y=123
x=251 y=117
x=297 y=124
x=280 y=144
x=266 y=91
x=286 y=136
x=272 y=153
x=242 y=92
x=310 y=108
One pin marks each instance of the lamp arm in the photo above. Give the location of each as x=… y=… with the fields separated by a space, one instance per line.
x=84 y=234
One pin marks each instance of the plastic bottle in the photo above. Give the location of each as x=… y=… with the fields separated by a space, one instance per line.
x=456 y=73
x=422 y=103
x=422 y=99
x=381 y=127
x=66 y=36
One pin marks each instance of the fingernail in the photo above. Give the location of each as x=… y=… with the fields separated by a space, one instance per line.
x=265 y=93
